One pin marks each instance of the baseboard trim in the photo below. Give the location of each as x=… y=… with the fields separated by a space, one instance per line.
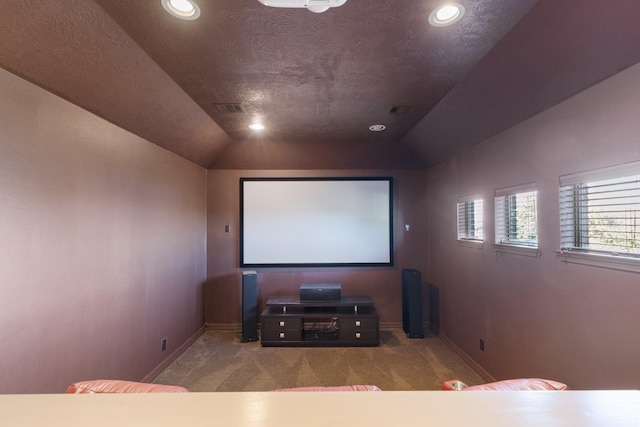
x=398 y=325
x=223 y=326
x=173 y=356
x=390 y=325
x=468 y=360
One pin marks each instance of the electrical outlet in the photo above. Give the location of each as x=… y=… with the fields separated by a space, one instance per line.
x=164 y=344
x=481 y=344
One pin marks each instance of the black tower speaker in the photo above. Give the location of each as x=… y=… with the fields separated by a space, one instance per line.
x=412 y=303
x=249 y=306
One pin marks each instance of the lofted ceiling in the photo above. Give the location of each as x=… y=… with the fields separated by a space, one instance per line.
x=317 y=81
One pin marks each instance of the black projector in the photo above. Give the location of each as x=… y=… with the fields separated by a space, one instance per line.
x=320 y=292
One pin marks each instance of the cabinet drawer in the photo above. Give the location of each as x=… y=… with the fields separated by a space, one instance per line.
x=280 y=323
x=276 y=335
x=369 y=335
x=358 y=323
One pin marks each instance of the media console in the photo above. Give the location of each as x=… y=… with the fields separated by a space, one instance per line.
x=349 y=321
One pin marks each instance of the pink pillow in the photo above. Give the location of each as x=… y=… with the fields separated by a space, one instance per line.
x=519 y=384
x=119 y=386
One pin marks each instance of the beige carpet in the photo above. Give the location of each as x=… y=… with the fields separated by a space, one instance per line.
x=218 y=361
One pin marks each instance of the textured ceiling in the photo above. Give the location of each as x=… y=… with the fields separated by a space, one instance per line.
x=317 y=81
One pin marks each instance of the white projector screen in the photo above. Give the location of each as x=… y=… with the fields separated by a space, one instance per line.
x=306 y=222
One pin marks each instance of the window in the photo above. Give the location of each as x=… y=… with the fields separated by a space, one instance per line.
x=470 y=219
x=516 y=216
x=600 y=211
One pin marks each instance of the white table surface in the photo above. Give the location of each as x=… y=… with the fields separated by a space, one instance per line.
x=327 y=409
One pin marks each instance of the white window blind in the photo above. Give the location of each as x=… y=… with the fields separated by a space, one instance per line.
x=516 y=216
x=470 y=219
x=600 y=211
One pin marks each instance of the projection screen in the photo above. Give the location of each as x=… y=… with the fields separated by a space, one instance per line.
x=316 y=222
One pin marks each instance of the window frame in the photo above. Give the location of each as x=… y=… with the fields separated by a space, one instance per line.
x=467 y=205
x=504 y=206
x=572 y=192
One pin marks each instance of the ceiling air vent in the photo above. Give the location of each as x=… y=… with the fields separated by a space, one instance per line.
x=400 y=109
x=229 y=108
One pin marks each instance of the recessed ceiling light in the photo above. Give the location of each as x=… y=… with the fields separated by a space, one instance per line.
x=377 y=128
x=317 y=9
x=256 y=126
x=446 y=15
x=183 y=9
x=316 y=6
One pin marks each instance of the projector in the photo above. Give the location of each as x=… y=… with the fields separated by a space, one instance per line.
x=317 y=6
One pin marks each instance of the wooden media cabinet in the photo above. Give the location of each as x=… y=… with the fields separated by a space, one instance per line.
x=350 y=321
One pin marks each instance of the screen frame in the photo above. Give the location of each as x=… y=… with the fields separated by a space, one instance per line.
x=390 y=210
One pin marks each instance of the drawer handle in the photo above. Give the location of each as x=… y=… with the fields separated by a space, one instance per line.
x=281 y=335
x=357 y=335
x=281 y=323
x=357 y=323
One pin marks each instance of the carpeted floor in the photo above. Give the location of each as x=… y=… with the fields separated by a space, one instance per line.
x=218 y=361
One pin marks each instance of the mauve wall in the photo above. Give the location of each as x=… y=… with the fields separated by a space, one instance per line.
x=102 y=246
x=383 y=284
x=540 y=317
